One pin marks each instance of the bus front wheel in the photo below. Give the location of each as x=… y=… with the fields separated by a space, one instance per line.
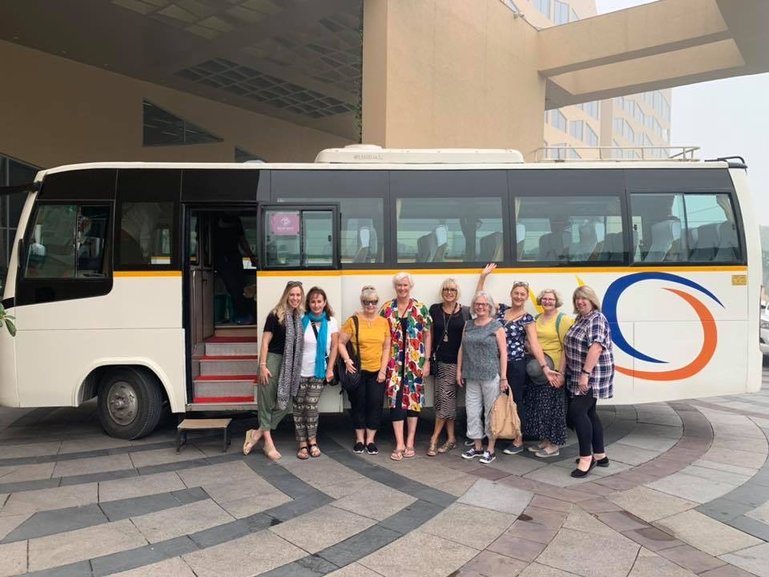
x=130 y=403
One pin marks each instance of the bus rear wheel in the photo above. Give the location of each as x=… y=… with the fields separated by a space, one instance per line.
x=130 y=403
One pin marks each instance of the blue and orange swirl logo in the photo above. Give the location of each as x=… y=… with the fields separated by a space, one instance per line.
x=710 y=334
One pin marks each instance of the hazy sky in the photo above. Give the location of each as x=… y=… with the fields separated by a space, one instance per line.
x=724 y=118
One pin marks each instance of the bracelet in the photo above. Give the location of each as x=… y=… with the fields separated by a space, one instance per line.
x=584 y=372
x=502 y=380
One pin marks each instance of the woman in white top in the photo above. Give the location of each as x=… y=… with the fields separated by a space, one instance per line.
x=321 y=339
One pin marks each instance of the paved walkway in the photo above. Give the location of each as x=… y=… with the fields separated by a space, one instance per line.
x=687 y=493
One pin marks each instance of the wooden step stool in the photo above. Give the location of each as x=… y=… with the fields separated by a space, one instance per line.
x=202 y=425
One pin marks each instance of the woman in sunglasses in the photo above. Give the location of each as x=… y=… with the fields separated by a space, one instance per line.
x=280 y=363
x=366 y=402
x=449 y=318
x=519 y=328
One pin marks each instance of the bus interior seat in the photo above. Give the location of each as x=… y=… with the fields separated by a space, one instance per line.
x=590 y=235
x=520 y=237
x=613 y=250
x=727 y=244
x=665 y=237
x=555 y=245
x=363 y=251
x=707 y=242
x=427 y=245
x=491 y=247
x=442 y=239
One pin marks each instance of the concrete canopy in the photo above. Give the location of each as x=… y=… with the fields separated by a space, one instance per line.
x=653 y=46
x=290 y=59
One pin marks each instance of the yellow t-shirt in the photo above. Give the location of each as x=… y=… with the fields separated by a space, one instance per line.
x=372 y=337
x=551 y=340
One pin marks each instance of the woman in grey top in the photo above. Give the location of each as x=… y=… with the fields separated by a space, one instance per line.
x=482 y=359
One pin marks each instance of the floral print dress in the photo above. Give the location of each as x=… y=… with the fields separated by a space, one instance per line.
x=407 y=355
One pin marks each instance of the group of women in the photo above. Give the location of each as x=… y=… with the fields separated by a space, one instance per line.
x=486 y=349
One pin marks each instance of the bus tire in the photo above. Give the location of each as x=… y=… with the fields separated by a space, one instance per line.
x=130 y=403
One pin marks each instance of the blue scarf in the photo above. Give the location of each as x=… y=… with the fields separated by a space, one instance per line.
x=320 y=350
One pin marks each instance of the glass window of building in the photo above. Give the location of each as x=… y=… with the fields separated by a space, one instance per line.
x=560 y=12
x=543 y=7
x=576 y=129
x=591 y=138
x=161 y=128
x=558 y=120
x=12 y=173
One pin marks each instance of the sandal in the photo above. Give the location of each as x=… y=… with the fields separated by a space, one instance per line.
x=303 y=453
x=272 y=453
x=315 y=450
x=432 y=450
x=409 y=452
x=396 y=455
x=447 y=446
x=252 y=438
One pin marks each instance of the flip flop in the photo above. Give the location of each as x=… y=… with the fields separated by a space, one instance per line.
x=315 y=450
x=396 y=455
x=250 y=441
x=303 y=453
x=409 y=452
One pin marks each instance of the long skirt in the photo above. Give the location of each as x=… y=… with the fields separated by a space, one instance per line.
x=544 y=413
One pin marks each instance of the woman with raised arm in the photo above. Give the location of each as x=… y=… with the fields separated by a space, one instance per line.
x=280 y=360
x=367 y=401
x=409 y=361
x=321 y=337
x=589 y=377
x=481 y=369
x=449 y=318
x=519 y=328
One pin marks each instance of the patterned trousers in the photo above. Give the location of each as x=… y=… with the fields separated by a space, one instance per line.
x=306 y=408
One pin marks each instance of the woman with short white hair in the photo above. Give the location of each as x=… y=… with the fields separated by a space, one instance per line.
x=410 y=346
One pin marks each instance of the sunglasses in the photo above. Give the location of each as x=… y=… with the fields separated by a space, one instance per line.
x=369 y=303
x=293 y=283
x=518 y=283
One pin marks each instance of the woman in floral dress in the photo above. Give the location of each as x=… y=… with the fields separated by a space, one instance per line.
x=410 y=338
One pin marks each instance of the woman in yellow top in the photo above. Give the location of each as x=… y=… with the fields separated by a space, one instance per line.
x=545 y=405
x=367 y=401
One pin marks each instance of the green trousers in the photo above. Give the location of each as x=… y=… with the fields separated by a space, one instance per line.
x=267 y=396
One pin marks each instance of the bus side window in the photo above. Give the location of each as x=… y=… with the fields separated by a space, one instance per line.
x=145 y=236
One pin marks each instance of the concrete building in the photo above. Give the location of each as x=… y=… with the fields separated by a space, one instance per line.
x=216 y=80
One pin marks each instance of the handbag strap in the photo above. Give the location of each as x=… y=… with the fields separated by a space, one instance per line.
x=357 y=342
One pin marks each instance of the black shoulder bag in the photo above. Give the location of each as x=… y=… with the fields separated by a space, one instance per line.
x=349 y=381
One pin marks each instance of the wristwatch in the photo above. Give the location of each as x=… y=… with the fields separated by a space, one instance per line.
x=584 y=372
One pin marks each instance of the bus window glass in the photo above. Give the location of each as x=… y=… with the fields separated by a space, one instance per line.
x=67 y=241
x=146 y=234
x=450 y=229
x=362 y=227
x=680 y=227
x=298 y=238
x=569 y=229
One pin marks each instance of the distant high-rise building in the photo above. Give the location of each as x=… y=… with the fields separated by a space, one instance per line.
x=636 y=125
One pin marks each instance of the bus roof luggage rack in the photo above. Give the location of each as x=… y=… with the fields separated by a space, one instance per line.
x=373 y=154
x=566 y=153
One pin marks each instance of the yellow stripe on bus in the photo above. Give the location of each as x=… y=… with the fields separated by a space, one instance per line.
x=147 y=273
x=519 y=271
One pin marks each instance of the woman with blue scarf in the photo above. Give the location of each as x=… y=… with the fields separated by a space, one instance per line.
x=321 y=338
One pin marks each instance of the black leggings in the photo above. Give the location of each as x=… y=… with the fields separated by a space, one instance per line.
x=367 y=402
x=518 y=380
x=587 y=425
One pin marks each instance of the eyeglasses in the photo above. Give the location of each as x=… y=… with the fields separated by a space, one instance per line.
x=547 y=300
x=369 y=303
x=518 y=283
x=482 y=305
x=449 y=290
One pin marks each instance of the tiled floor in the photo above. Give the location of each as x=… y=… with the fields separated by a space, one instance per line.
x=687 y=493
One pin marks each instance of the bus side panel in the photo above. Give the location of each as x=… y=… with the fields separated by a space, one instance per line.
x=9 y=392
x=139 y=322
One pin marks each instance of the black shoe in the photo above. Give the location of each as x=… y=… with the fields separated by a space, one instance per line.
x=578 y=474
x=358 y=448
x=600 y=462
x=371 y=449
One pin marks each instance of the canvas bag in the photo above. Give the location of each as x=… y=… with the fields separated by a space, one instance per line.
x=505 y=422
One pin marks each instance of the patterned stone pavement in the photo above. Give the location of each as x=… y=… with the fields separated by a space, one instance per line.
x=687 y=493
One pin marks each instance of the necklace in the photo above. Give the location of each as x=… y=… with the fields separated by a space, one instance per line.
x=446 y=321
